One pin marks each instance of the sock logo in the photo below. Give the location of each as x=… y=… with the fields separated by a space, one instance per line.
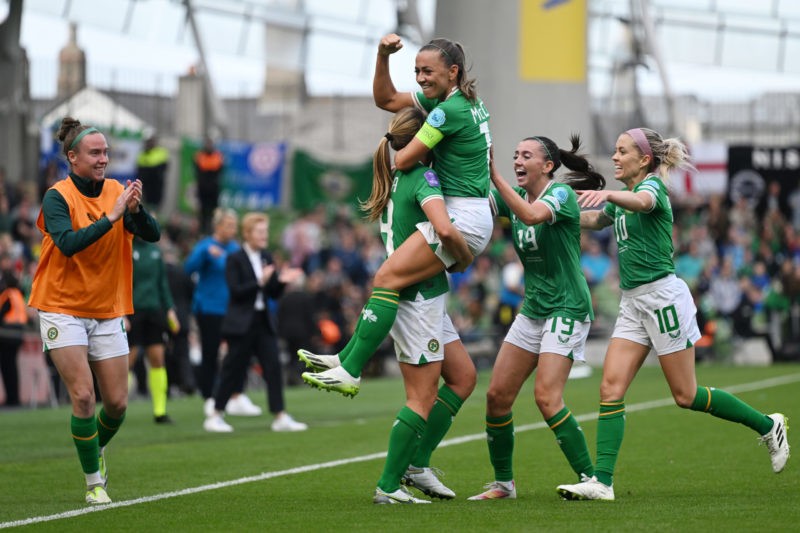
x=369 y=315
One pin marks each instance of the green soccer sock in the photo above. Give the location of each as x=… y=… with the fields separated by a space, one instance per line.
x=376 y=321
x=500 y=436
x=107 y=427
x=157 y=381
x=572 y=442
x=440 y=419
x=724 y=405
x=610 y=431
x=403 y=441
x=84 y=435
x=345 y=352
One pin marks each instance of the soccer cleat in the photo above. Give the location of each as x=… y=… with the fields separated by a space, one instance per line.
x=241 y=405
x=318 y=363
x=401 y=495
x=776 y=441
x=497 y=490
x=97 y=495
x=164 y=419
x=285 y=422
x=588 y=489
x=335 y=379
x=103 y=467
x=215 y=424
x=426 y=480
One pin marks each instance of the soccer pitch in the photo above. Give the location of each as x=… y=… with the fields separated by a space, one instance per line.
x=678 y=470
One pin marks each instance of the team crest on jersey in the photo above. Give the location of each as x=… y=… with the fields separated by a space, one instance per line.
x=433 y=345
x=563 y=340
x=561 y=195
x=431 y=178
x=674 y=335
x=436 y=118
x=52 y=334
x=369 y=315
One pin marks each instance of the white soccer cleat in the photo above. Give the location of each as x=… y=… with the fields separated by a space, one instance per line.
x=588 y=489
x=776 y=441
x=285 y=422
x=97 y=495
x=335 y=379
x=426 y=480
x=497 y=490
x=401 y=495
x=318 y=363
x=215 y=424
x=240 y=405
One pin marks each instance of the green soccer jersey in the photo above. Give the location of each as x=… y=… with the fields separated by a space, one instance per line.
x=410 y=190
x=644 y=240
x=551 y=254
x=457 y=131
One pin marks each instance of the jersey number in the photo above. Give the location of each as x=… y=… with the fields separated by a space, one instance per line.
x=386 y=227
x=620 y=228
x=527 y=239
x=484 y=128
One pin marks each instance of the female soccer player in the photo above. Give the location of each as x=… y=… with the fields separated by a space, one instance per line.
x=83 y=289
x=426 y=343
x=456 y=133
x=656 y=310
x=550 y=331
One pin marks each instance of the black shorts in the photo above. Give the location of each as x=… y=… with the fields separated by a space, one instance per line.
x=147 y=328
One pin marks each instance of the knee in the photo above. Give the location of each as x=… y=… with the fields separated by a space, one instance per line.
x=546 y=400
x=83 y=401
x=463 y=384
x=684 y=399
x=497 y=402
x=116 y=406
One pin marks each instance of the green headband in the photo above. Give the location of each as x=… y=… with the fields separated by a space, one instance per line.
x=81 y=135
x=549 y=156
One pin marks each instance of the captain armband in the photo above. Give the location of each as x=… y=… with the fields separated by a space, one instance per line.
x=429 y=136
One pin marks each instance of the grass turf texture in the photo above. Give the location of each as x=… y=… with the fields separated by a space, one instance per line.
x=678 y=470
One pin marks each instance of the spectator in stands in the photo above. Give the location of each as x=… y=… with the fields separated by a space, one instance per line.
x=689 y=264
x=208 y=167
x=596 y=265
x=13 y=317
x=83 y=289
x=656 y=310
x=151 y=168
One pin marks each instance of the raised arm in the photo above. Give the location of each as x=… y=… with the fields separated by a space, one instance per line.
x=383 y=90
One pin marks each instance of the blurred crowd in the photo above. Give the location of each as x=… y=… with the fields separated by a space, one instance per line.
x=742 y=262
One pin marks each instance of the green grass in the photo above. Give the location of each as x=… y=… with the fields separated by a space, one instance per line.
x=678 y=470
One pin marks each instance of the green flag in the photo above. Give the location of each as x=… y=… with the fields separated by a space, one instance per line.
x=315 y=182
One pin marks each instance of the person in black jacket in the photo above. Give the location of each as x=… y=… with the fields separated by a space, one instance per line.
x=253 y=277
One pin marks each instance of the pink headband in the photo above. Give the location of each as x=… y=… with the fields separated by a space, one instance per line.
x=641 y=141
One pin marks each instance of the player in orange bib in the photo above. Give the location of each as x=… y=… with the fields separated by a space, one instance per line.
x=83 y=289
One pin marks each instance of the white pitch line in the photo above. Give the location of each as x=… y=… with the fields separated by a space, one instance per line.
x=642 y=406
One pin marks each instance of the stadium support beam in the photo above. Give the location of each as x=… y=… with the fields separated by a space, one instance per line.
x=17 y=139
x=217 y=126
